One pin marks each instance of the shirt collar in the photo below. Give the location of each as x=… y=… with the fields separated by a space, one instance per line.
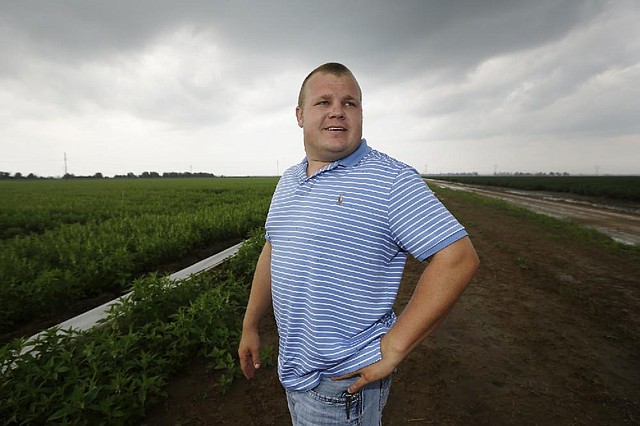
x=351 y=159
x=348 y=161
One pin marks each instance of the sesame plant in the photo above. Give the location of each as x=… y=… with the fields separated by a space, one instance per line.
x=112 y=373
x=67 y=241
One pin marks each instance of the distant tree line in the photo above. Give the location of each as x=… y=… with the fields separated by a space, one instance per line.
x=532 y=174
x=130 y=175
x=156 y=175
x=502 y=174
x=18 y=175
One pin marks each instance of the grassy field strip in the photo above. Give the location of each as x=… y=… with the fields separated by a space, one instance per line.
x=90 y=318
x=609 y=187
x=621 y=225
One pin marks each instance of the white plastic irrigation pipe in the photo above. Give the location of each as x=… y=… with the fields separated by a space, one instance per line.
x=90 y=318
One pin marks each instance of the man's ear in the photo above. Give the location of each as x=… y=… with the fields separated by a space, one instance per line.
x=299 y=116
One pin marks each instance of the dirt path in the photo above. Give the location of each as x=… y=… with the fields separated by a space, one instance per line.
x=622 y=223
x=547 y=333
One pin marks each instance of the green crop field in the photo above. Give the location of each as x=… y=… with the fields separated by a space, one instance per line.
x=113 y=373
x=62 y=241
x=624 y=188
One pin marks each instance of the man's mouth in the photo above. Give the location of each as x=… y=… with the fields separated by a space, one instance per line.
x=335 y=129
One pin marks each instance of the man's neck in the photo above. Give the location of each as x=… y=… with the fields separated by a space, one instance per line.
x=314 y=165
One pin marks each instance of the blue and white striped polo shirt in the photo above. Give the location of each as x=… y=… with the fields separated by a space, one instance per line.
x=340 y=240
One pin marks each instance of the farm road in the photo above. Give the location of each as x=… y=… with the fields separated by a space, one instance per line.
x=620 y=224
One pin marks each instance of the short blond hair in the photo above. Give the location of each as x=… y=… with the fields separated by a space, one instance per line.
x=333 y=68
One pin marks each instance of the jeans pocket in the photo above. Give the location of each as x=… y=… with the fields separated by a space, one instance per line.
x=330 y=402
x=385 y=387
x=332 y=390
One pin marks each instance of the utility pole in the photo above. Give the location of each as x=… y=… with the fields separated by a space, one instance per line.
x=65 y=163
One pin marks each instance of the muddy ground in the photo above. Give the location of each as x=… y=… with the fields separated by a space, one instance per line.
x=547 y=333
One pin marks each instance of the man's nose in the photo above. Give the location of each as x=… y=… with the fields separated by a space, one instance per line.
x=337 y=112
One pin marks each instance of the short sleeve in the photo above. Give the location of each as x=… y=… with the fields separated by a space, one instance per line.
x=420 y=224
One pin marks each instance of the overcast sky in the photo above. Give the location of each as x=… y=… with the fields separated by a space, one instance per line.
x=211 y=86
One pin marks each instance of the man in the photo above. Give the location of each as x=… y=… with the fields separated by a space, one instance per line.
x=339 y=229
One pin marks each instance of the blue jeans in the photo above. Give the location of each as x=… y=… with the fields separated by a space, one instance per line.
x=329 y=404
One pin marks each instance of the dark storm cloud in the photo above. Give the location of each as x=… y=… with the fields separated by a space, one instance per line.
x=419 y=34
x=439 y=70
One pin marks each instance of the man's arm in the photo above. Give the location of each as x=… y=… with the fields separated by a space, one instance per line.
x=257 y=307
x=439 y=287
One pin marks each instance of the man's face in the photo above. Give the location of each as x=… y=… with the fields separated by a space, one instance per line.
x=331 y=117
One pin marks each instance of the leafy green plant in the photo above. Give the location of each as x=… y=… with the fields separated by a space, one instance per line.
x=94 y=237
x=268 y=356
x=112 y=373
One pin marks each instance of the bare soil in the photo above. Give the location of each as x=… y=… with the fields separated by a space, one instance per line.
x=547 y=333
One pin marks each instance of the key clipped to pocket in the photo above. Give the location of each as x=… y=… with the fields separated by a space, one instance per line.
x=348 y=399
